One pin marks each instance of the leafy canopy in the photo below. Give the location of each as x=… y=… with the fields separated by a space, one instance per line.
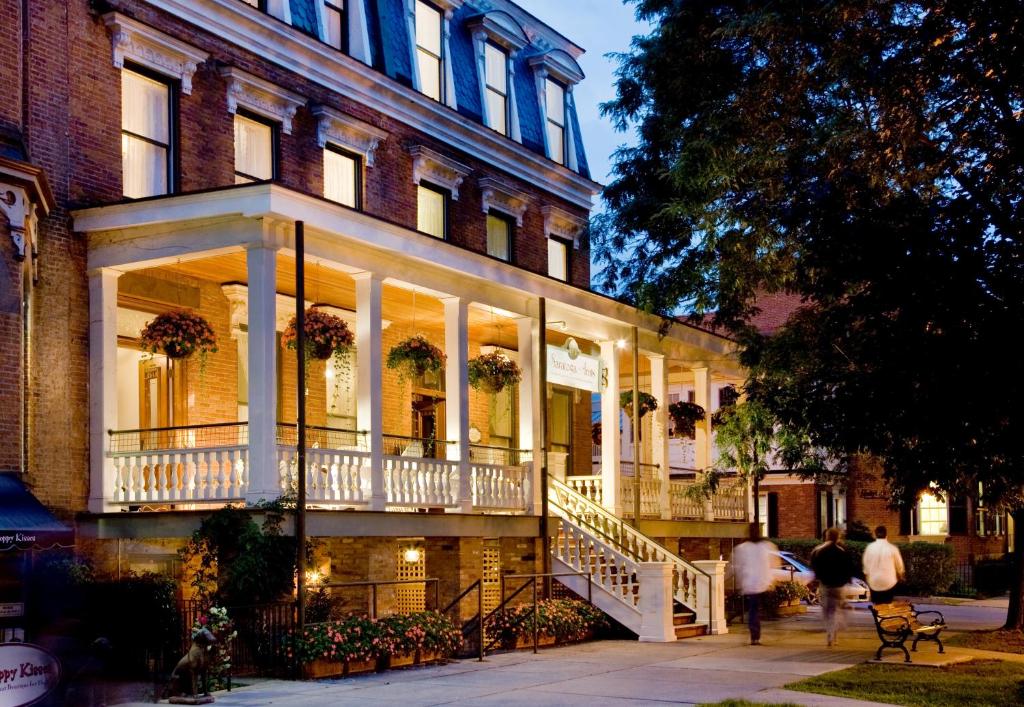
x=867 y=156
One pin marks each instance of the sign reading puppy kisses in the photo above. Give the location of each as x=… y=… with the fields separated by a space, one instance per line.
x=27 y=674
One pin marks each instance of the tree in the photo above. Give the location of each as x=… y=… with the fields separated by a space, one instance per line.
x=866 y=155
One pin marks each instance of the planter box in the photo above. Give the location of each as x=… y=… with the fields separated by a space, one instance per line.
x=791 y=610
x=407 y=659
x=322 y=668
x=542 y=640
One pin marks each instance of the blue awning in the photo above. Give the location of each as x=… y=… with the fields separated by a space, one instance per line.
x=25 y=524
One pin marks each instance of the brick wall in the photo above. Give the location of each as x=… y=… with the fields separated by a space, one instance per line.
x=798 y=509
x=11 y=354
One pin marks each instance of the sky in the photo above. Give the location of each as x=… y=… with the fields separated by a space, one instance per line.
x=600 y=27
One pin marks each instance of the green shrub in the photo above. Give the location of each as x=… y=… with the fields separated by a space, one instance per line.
x=357 y=638
x=992 y=577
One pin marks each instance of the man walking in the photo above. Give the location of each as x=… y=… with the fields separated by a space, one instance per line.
x=883 y=567
x=833 y=569
x=753 y=561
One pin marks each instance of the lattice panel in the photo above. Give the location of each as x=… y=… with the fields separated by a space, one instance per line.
x=410 y=598
x=491 y=576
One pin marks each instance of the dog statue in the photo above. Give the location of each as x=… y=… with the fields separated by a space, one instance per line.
x=196 y=663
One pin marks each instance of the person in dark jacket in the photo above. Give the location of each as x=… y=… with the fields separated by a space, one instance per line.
x=833 y=568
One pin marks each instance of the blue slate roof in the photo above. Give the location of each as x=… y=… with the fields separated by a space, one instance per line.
x=304 y=16
x=390 y=54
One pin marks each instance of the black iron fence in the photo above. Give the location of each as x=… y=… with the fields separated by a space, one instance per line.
x=258 y=646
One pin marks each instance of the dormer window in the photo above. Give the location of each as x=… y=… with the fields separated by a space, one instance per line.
x=429 y=57
x=496 y=85
x=334 y=24
x=554 y=97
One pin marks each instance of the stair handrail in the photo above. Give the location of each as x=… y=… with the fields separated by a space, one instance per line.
x=684 y=593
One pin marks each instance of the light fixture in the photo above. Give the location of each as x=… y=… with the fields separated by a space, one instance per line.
x=313 y=577
x=412 y=555
x=621 y=343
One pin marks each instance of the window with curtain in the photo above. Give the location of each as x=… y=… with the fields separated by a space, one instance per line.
x=496 y=84
x=146 y=134
x=499 y=236
x=334 y=15
x=558 y=259
x=254 y=149
x=554 y=99
x=431 y=211
x=933 y=516
x=341 y=177
x=428 y=48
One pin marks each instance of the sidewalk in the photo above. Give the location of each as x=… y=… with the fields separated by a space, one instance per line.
x=615 y=673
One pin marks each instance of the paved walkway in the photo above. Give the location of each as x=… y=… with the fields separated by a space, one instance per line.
x=619 y=673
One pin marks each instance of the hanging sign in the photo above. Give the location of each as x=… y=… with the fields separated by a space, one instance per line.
x=570 y=367
x=27 y=674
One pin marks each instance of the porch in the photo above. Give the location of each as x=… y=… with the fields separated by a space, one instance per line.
x=185 y=435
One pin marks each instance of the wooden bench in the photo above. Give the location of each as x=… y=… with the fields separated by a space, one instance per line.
x=899 y=621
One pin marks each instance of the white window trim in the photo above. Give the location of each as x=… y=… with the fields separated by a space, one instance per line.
x=497 y=28
x=556 y=65
x=261 y=97
x=448 y=8
x=430 y=166
x=500 y=197
x=559 y=223
x=355 y=28
x=347 y=132
x=152 y=49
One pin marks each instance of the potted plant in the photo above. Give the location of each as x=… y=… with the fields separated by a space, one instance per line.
x=415 y=357
x=648 y=403
x=493 y=372
x=685 y=415
x=326 y=336
x=179 y=334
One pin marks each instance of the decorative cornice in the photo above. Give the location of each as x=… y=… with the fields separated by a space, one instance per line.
x=500 y=196
x=559 y=65
x=437 y=169
x=348 y=132
x=155 y=50
x=561 y=224
x=448 y=7
x=501 y=28
x=262 y=97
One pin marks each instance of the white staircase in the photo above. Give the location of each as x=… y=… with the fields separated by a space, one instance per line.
x=590 y=540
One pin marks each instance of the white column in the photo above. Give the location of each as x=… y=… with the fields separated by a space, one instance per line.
x=369 y=394
x=655 y=579
x=570 y=132
x=514 y=130
x=264 y=475
x=456 y=393
x=711 y=596
x=358 y=32
x=702 y=430
x=659 y=429
x=102 y=385
x=611 y=442
x=529 y=401
x=449 y=74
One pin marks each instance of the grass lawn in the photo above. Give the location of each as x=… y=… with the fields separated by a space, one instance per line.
x=1005 y=641
x=980 y=683
x=745 y=703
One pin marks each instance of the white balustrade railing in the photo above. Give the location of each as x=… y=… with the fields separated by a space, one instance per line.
x=587 y=486
x=500 y=487
x=421 y=483
x=683 y=507
x=585 y=552
x=207 y=475
x=333 y=476
x=730 y=502
x=650 y=497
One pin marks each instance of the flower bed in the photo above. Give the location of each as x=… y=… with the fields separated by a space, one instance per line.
x=558 y=621
x=357 y=643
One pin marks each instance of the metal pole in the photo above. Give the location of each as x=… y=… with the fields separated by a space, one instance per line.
x=480 y=616
x=300 y=366
x=536 y=614
x=636 y=427
x=543 y=384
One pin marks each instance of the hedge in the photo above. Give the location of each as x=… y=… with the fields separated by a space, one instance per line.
x=931 y=567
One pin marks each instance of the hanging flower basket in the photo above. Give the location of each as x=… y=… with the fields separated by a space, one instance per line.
x=178 y=334
x=326 y=336
x=648 y=403
x=415 y=357
x=686 y=415
x=493 y=372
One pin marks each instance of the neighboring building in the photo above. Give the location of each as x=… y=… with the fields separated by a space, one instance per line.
x=432 y=152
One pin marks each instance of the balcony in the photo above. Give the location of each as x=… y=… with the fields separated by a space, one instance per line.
x=196 y=465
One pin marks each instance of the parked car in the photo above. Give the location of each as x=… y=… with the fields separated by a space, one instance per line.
x=792 y=568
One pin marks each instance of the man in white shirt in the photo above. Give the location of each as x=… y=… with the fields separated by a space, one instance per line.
x=883 y=567
x=752 y=564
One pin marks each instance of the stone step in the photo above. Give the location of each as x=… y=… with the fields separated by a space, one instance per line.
x=691 y=630
x=683 y=618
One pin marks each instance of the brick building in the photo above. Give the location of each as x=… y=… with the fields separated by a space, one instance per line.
x=159 y=157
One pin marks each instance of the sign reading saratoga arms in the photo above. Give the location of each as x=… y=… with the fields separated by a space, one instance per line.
x=568 y=366
x=27 y=674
